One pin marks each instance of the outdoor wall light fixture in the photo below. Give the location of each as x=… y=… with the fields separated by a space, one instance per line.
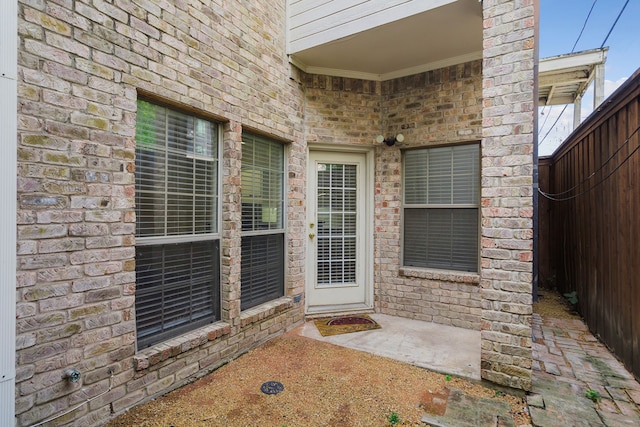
x=391 y=140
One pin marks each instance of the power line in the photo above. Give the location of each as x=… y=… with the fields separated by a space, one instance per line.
x=552 y=126
x=545 y=119
x=564 y=199
x=553 y=196
x=584 y=181
x=614 y=24
x=583 y=26
x=626 y=141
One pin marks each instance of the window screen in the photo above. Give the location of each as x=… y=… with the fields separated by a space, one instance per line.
x=262 y=174
x=441 y=202
x=177 y=246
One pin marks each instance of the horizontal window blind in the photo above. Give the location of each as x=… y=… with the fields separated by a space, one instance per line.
x=336 y=200
x=442 y=176
x=176 y=286
x=262 y=177
x=441 y=204
x=176 y=173
x=177 y=280
x=262 y=269
x=441 y=238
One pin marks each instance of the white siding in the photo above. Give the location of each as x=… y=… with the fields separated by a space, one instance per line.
x=8 y=147
x=315 y=22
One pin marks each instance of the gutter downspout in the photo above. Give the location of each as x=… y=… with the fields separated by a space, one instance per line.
x=8 y=194
x=536 y=55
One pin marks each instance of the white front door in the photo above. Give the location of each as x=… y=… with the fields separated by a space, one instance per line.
x=338 y=249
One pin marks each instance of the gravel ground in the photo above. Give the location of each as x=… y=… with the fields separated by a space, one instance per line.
x=553 y=305
x=324 y=385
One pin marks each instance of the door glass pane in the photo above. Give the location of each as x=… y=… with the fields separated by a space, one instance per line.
x=336 y=217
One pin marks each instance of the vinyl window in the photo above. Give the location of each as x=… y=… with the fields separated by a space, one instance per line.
x=177 y=241
x=262 y=174
x=441 y=207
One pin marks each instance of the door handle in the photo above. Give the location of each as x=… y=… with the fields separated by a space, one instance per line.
x=312 y=235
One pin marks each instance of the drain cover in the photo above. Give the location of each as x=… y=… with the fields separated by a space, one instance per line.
x=271 y=387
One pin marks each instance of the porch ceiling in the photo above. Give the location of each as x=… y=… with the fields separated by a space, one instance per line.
x=443 y=36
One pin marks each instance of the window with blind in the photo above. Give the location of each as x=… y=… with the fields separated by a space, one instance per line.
x=177 y=241
x=262 y=264
x=441 y=207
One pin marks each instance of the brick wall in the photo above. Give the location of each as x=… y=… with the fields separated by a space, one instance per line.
x=442 y=107
x=507 y=185
x=81 y=66
x=437 y=107
x=432 y=108
x=341 y=110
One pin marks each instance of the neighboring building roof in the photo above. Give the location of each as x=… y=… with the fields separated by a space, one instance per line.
x=563 y=78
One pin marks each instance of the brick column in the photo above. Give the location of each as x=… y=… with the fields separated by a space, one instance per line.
x=230 y=246
x=507 y=192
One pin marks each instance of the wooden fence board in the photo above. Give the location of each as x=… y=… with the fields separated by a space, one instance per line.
x=634 y=202
x=591 y=239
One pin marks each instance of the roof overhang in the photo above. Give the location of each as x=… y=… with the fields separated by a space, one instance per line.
x=439 y=34
x=563 y=78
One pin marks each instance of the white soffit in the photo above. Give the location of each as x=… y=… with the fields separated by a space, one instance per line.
x=441 y=36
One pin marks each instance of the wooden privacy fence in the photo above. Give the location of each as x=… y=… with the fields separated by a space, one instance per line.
x=589 y=221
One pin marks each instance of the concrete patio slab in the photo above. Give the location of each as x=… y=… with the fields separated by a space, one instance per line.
x=567 y=362
x=437 y=347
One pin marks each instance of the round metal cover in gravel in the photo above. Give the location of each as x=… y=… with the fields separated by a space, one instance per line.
x=271 y=387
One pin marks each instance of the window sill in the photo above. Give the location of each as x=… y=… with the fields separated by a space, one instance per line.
x=175 y=346
x=265 y=310
x=444 y=275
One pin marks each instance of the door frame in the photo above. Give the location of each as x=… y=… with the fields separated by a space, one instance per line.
x=367 y=216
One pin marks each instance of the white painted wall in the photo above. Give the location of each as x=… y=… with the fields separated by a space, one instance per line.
x=315 y=22
x=8 y=148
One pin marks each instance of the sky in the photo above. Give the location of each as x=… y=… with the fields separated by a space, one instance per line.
x=561 y=22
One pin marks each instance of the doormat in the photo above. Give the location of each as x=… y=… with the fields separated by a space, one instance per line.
x=345 y=324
